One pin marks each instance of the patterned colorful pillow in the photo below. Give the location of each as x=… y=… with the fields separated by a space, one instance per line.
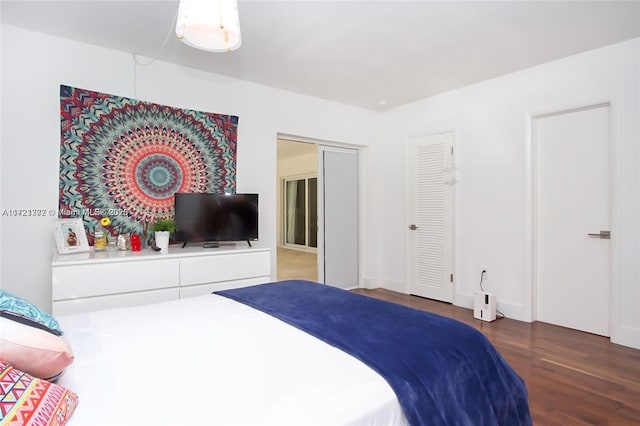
x=35 y=351
x=27 y=401
x=20 y=310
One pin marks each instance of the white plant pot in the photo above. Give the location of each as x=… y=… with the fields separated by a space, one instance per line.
x=162 y=241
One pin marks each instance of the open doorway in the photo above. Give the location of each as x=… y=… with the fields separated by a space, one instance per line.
x=297 y=184
x=318 y=212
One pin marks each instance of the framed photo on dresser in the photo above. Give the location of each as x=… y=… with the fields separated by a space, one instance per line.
x=70 y=236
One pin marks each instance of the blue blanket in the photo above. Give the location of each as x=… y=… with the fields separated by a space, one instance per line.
x=443 y=372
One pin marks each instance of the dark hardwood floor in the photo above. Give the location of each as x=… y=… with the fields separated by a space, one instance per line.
x=573 y=378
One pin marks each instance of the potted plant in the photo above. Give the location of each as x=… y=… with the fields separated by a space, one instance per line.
x=162 y=228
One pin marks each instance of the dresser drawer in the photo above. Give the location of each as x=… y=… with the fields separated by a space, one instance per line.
x=202 y=289
x=111 y=301
x=224 y=267
x=70 y=282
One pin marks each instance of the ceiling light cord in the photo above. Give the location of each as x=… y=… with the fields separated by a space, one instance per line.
x=136 y=62
x=166 y=40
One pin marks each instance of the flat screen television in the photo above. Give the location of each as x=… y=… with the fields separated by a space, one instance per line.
x=213 y=218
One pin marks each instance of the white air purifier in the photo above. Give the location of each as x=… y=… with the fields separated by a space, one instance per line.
x=484 y=306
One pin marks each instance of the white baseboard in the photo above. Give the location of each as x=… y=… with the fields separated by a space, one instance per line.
x=626 y=336
x=398 y=286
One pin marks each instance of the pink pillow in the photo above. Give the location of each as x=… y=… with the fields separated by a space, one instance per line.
x=33 y=350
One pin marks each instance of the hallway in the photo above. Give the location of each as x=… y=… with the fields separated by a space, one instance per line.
x=297 y=264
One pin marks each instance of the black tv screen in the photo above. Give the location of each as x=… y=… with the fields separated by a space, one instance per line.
x=216 y=217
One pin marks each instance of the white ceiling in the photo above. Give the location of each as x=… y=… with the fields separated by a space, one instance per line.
x=353 y=52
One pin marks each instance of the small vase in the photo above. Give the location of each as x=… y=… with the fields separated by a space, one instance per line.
x=162 y=241
x=100 y=235
x=123 y=242
x=136 y=244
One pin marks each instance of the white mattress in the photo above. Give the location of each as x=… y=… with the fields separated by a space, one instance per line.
x=210 y=360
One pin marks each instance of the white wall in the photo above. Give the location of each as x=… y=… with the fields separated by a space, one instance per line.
x=493 y=210
x=33 y=67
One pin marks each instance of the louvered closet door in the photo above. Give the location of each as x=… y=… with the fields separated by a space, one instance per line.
x=432 y=174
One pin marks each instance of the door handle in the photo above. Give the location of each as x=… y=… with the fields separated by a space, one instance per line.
x=603 y=235
x=413 y=227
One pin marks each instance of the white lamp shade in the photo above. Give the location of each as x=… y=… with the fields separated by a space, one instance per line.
x=211 y=25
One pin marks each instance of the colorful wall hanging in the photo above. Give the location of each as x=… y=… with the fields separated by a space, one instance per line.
x=124 y=158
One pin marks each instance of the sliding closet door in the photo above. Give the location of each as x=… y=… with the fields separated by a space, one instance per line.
x=338 y=190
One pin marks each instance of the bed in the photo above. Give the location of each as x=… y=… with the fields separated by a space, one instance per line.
x=280 y=354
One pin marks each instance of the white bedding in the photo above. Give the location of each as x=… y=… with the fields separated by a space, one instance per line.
x=211 y=361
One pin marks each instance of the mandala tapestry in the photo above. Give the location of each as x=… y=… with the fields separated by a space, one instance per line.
x=124 y=158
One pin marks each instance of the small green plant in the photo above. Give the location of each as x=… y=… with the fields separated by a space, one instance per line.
x=164 y=224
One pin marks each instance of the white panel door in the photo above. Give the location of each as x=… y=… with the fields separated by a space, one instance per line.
x=572 y=201
x=338 y=202
x=430 y=252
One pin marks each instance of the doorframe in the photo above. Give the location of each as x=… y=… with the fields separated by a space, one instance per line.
x=361 y=152
x=530 y=208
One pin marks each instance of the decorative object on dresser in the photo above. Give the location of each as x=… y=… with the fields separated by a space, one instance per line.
x=101 y=235
x=70 y=236
x=136 y=244
x=163 y=228
x=123 y=242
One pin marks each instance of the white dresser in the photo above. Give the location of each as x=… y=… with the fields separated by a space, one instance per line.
x=100 y=280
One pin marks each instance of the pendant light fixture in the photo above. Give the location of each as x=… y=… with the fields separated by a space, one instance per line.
x=211 y=25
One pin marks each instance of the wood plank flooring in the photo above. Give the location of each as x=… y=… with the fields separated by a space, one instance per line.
x=573 y=378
